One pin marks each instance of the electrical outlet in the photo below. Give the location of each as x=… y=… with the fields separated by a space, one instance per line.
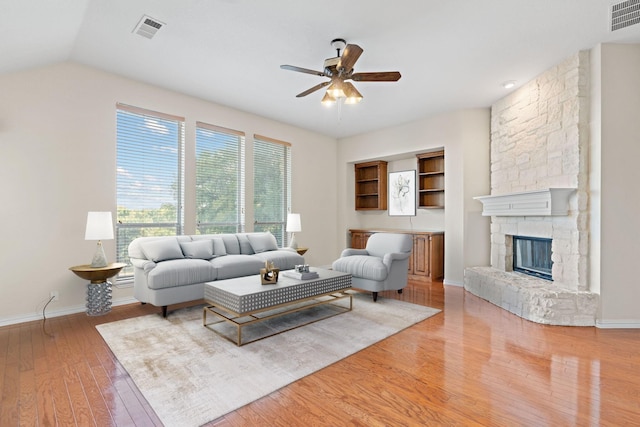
x=55 y=295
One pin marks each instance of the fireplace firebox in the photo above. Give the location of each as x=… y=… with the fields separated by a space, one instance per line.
x=532 y=255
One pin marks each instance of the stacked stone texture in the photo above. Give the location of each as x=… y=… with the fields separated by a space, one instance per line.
x=540 y=140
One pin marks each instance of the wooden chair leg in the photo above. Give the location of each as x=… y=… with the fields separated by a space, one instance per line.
x=399 y=291
x=164 y=311
x=375 y=296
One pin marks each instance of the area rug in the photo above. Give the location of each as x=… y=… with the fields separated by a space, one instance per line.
x=190 y=375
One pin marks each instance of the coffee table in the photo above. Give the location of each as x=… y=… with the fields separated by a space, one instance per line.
x=245 y=301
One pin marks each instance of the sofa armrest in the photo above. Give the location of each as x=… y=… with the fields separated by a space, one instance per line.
x=144 y=264
x=352 y=251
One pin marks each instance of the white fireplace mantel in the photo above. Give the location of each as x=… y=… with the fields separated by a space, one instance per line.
x=548 y=202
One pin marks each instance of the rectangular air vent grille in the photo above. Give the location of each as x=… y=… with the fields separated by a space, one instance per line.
x=148 y=27
x=625 y=14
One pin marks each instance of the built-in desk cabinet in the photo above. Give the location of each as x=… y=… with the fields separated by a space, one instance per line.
x=427 y=258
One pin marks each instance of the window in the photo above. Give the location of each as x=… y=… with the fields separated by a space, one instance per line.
x=219 y=179
x=150 y=177
x=271 y=186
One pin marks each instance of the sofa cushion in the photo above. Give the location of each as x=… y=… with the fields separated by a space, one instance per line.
x=245 y=245
x=162 y=250
x=262 y=242
x=236 y=266
x=284 y=259
x=219 y=248
x=200 y=249
x=180 y=272
x=366 y=267
x=231 y=244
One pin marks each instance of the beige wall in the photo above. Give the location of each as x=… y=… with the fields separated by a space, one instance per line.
x=616 y=202
x=57 y=159
x=465 y=138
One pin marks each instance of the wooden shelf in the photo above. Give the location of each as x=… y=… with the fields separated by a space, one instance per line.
x=431 y=180
x=371 y=185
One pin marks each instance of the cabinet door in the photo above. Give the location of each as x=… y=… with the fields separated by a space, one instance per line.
x=359 y=239
x=411 y=256
x=421 y=256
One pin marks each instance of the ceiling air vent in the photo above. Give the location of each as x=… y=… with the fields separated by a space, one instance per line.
x=625 y=14
x=148 y=27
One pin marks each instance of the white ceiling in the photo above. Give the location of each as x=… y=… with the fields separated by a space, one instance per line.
x=453 y=54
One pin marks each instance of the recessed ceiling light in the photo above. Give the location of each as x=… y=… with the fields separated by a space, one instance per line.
x=509 y=84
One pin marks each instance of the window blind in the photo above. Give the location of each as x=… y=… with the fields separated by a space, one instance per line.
x=220 y=157
x=150 y=177
x=272 y=186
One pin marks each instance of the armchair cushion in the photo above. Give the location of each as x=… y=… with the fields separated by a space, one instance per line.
x=364 y=266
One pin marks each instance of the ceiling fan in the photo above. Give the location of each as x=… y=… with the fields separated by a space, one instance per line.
x=339 y=70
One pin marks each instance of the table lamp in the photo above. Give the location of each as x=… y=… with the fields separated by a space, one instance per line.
x=293 y=225
x=99 y=227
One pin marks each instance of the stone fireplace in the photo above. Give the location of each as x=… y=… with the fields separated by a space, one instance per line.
x=539 y=189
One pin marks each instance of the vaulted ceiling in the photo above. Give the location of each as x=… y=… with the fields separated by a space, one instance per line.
x=453 y=54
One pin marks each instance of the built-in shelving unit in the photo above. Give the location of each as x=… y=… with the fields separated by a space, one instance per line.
x=371 y=185
x=431 y=180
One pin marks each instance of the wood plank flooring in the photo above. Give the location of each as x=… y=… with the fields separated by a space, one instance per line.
x=474 y=364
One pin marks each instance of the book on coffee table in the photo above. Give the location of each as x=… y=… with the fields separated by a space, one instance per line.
x=300 y=276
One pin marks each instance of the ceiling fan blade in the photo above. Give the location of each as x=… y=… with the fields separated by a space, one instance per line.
x=313 y=89
x=383 y=76
x=348 y=59
x=302 y=70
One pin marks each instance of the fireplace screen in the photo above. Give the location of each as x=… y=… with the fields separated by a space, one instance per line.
x=532 y=255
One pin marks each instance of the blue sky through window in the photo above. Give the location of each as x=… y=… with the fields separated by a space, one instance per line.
x=148 y=158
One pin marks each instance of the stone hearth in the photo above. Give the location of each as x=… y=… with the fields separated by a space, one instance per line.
x=531 y=298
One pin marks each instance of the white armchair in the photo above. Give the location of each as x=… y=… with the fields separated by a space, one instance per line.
x=383 y=265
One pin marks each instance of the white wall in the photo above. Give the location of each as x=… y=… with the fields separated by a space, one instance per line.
x=617 y=131
x=465 y=138
x=57 y=160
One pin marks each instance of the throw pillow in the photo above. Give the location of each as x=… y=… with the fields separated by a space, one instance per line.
x=200 y=249
x=162 y=250
x=263 y=242
x=219 y=249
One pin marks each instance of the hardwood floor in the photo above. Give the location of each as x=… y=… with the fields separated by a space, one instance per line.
x=472 y=364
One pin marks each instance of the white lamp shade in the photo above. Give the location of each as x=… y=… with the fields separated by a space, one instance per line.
x=293 y=223
x=99 y=226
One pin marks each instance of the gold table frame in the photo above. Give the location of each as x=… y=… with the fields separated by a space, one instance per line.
x=234 y=318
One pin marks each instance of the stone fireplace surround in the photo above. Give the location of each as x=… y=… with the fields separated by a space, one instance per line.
x=546 y=214
x=539 y=156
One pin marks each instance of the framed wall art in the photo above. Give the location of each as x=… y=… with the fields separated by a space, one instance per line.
x=402 y=193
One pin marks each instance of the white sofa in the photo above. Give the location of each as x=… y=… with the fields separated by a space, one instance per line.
x=173 y=269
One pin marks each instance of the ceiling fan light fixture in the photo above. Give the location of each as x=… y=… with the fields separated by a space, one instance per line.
x=352 y=94
x=336 y=89
x=328 y=100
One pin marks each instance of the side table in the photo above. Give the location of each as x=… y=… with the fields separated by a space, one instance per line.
x=99 y=288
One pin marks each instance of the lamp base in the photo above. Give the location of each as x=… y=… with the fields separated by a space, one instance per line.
x=99 y=258
x=293 y=244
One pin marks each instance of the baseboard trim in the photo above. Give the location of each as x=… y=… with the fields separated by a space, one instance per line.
x=452 y=283
x=14 y=320
x=618 y=324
